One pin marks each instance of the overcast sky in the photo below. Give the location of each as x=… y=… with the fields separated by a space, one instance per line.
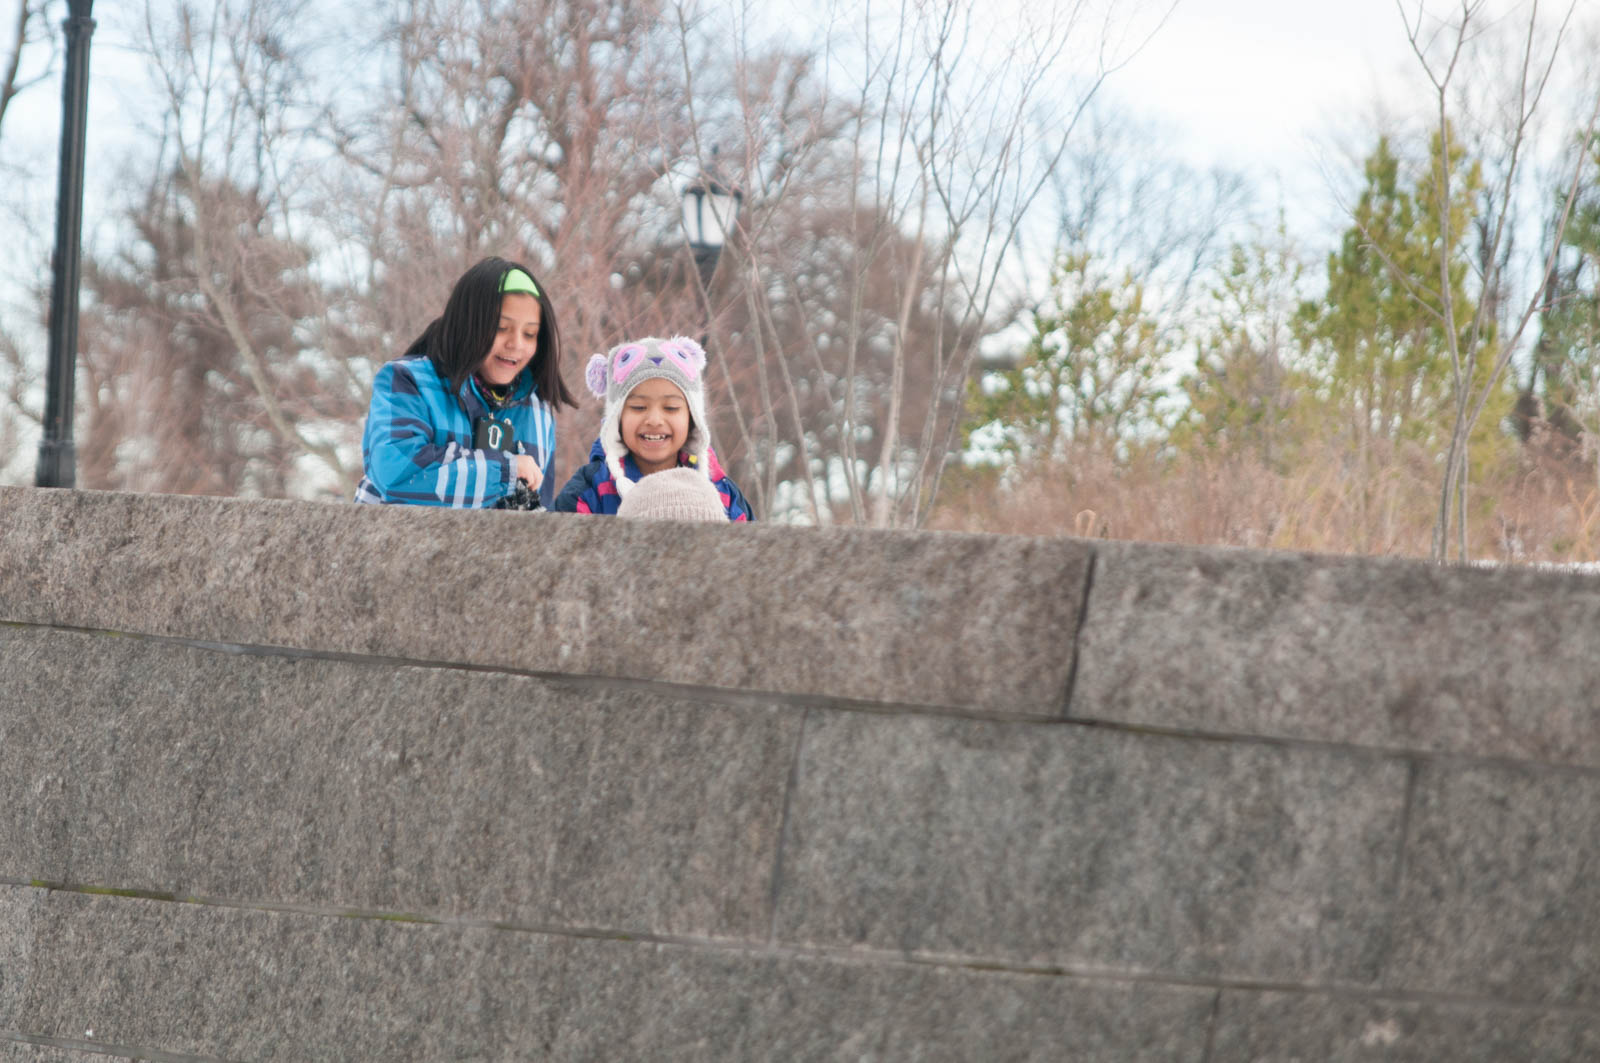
x=1273 y=88
x=1251 y=79
x=1254 y=84
x=1287 y=91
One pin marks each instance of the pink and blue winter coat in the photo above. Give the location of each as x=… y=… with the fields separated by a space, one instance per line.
x=592 y=489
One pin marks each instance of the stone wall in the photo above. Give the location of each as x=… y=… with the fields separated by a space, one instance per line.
x=318 y=781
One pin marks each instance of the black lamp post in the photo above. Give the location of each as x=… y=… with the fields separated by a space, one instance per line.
x=57 y=457
x=709 y=210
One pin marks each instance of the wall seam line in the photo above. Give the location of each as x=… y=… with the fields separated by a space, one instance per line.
x=851 y=955
x=101 y=1048
x=1413 y=770
x=1209 y=1049
x=1084 y=591
x=791 y=784
x=1401 y=867
x=721 y=695
x=766 y=699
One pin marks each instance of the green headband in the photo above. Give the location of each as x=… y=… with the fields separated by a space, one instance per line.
x=517 y=281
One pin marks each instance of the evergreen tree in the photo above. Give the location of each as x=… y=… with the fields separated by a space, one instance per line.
x=1089 y=377
x=1243 y=392
x=1379 y=334
x=1560 y=392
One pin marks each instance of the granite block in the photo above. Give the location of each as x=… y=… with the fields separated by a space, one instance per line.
x=143 y=765
x=1402 y=654
x=1090 y=849
x=1501 y=895
x=977 y=622
x=1298 y=1027
x=249 y=985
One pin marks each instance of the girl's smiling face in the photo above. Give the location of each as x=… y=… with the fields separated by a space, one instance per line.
x=516 y=341
x=655 y=424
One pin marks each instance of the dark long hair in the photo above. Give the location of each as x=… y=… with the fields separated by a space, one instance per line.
x=460 y=338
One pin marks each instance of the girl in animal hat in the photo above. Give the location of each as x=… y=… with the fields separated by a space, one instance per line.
x=467 y=416
x=655 y=419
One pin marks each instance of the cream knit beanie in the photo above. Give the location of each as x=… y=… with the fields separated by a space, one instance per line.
x=674 y=494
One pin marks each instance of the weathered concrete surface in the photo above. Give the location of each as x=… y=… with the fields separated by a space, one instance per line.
x=157 y=767
x=895 y=617
x=1054 y=846
x=247 y=985
x=1501 y=896
x=1296 y=1027
x=856 y=797
x=1488 y=662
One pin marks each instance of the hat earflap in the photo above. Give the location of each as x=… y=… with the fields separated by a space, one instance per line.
x=594 y=376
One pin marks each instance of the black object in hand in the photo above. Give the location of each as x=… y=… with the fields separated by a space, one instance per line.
x=521 y=497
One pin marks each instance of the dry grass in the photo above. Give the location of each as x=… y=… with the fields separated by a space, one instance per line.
x=1541 y=507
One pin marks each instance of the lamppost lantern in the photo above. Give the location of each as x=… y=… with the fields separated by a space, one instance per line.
x=709 y=210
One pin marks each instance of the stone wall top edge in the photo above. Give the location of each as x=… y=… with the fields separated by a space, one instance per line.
x=967 y=620
x=1479 y=661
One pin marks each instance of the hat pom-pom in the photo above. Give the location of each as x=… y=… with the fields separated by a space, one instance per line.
x=595 y=376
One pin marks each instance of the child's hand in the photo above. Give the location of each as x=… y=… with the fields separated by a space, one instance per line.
x=528 y=469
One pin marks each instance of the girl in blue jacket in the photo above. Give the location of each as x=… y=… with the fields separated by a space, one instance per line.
x=469 y=410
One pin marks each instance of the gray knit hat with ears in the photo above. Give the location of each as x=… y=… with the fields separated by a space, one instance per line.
x=674 y=494
x=611 y=376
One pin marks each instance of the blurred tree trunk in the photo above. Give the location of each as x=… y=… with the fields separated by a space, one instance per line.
x=1444 y=48
x=28 y=29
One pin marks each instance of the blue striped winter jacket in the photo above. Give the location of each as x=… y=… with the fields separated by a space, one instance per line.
x=417 y=446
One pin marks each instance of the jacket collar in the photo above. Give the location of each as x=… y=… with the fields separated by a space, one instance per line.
x=597 y=452
x=477 y=403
